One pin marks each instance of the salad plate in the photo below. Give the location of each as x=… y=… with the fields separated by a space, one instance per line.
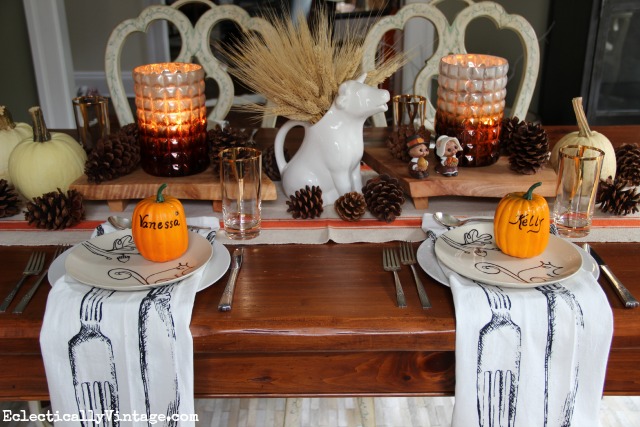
x=112 y=261
x=471 y=252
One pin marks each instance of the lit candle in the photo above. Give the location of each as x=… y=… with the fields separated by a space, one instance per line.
x=172 y=118
x=471 y=99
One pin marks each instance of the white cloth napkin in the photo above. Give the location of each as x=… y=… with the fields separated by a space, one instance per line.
x=528 y=357
x=124 y=356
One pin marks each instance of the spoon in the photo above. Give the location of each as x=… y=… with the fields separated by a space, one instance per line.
x=451 y=221
x=122 y=223
x=119 y=222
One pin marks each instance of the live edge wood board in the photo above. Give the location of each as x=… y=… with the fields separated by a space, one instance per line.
x=138 y=185
x=488 y=181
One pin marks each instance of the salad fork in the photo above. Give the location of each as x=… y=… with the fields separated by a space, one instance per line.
x=27 y=297
x=34 y=265
x=407 y=257
x=390 y=263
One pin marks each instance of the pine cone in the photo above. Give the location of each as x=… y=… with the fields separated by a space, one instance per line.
x=628 y=164
x=130 y=130
x=384 y=197
x=396 y=142
x=116 y=156
x=220 y=138
x=509 y=126
x=351 y=206
x=306 y=203
x=269 y=164
x=528 y=149
x=613 y=198
x=9 y=199
x=55 y=210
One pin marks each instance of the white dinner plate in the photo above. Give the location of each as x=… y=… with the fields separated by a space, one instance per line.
x=214 y=269
x=112 y=261
x=560 y=252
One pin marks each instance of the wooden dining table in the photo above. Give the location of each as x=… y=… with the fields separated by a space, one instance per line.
x=321 y=320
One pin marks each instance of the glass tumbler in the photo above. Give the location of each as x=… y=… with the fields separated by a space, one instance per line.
x=470 y=105
x=579 y=169
x=172 y=118
x=92 y=119
x=409 y=111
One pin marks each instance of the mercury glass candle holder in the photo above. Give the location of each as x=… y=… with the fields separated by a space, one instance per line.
x=470 y=106
x=172 y=118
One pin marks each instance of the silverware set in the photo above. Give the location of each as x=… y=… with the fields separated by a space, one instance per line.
x=34 y=266
x=391 y=261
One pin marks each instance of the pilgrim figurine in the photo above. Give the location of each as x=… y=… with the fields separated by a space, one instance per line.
x=418 y=150
x=446 y=149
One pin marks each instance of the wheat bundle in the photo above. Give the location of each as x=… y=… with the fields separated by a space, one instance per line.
x=300 y=66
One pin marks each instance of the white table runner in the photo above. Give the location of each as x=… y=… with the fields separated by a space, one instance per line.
x=124 y=356
x=528 y=357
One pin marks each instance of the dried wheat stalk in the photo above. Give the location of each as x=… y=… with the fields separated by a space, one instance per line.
x=299 y=68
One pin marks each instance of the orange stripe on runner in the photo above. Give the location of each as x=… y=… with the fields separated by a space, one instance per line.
x=275 y=224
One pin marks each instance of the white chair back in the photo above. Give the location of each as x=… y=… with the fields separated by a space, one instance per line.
x=450 y=39
x=195 y=44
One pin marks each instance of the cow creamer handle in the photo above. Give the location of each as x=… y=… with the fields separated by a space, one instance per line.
x=278 y=146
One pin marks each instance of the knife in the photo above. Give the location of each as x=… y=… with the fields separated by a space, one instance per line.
x=624 y=294
x=227 y=295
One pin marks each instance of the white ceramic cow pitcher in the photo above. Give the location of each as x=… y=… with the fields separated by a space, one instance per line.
x=332 y=148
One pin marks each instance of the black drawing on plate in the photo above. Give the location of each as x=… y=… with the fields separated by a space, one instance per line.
x=473 y=243
x=498 y=363
x=91 y=357
x=175 y=272
x=561 y=355
x=541 y=273
x=122 y=249
x=162 y=395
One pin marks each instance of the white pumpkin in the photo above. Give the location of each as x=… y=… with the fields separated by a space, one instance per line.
x=46 y=161
x=11 y=134
x=586 y=136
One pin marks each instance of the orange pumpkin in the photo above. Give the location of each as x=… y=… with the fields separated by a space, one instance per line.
x=159 y=227
x=521 y=224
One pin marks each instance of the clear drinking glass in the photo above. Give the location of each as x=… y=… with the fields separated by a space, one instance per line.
x=578 y=176
x=241 y=181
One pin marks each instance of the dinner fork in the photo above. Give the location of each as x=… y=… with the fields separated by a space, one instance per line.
x=390 y=263
x=407 y=257
x=93 y=366
x=27 y=297
x=34 y=265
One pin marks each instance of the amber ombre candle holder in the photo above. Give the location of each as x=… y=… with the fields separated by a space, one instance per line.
x=172 y=118
x=471 y=98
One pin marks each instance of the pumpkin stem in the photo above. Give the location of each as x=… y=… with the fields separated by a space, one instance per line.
x=160 y=196
x=529 y=194
x=583 y=125
x=40 y=131
x=6 y=121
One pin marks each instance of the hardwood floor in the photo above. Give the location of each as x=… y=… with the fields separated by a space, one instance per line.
x=390 y=412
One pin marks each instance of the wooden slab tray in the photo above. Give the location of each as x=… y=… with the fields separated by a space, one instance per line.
x=138 y=185
x=488 y=181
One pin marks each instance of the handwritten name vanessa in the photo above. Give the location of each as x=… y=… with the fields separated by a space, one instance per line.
x=160 y=225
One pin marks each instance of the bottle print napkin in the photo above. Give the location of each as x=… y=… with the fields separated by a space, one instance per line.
x=527 y=357
x=124 y=356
